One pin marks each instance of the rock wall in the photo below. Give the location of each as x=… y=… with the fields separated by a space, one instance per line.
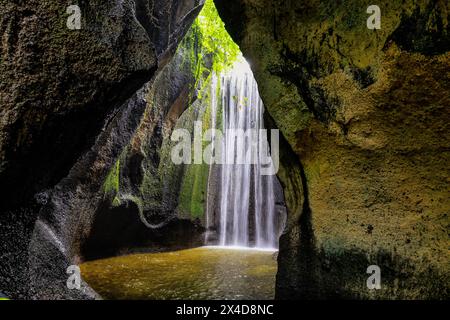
x=364 y=114
x=70 y=102
x=150 y=203
x=364 y=151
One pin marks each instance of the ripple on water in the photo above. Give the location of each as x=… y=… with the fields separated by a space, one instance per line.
x=200 y=273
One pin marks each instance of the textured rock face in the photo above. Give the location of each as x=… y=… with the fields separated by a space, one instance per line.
x=364 y=155
x=139 y=210
x=149 y=203
x=365 y=163
x=67 y=95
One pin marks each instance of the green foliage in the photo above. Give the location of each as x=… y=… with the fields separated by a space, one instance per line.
x=214 y=39
x=208 y=49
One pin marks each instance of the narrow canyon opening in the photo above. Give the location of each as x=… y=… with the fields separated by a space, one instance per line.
x=189 y=229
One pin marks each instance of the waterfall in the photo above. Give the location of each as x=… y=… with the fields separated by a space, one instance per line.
x=213 y=94
x=247 y=201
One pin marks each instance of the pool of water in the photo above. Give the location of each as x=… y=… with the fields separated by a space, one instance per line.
x=200 y=273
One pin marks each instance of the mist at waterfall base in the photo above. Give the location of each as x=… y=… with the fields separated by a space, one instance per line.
x=247 y=199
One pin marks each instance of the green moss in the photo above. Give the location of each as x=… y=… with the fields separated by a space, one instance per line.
x=193 y=194
x=206 y=49
x=315 y=169
x=151 y=189
x=111 y=185
x=116 y=202
x=199 y=191
x=193 y=191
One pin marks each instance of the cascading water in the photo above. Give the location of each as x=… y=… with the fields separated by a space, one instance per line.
x=247 y=200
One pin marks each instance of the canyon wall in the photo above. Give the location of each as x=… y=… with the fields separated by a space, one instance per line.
x=143 y=200
x=86 y=115
x=365 y=124
x=71 y=101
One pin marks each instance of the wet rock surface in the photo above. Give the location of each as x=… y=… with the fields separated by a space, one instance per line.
x=365 y=121
x=142 y=190
x=364 y=150
x=71 y=101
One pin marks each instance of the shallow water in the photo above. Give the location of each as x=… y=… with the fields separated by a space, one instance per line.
x=200 y=273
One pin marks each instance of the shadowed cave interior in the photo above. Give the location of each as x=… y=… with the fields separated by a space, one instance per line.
x=93 y=118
